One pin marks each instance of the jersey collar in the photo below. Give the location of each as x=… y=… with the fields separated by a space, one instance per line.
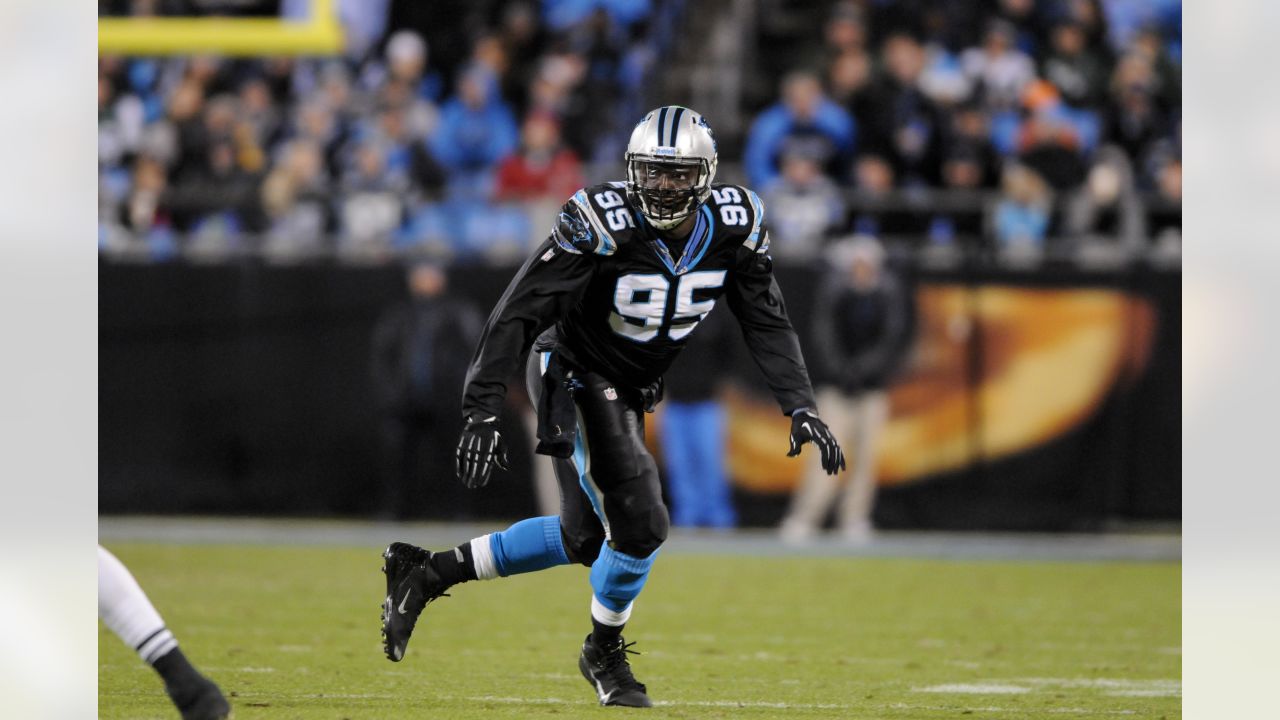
x=694 y=249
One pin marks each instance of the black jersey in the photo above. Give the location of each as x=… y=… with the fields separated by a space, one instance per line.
x=614 y=298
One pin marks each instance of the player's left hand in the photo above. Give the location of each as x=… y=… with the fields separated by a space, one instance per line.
x=480 y=448
x=806 y=427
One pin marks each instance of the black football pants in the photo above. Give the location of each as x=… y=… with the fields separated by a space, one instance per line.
x=609 y=489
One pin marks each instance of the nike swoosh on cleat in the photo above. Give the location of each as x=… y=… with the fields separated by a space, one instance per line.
x=407 y=593
x=604 y=696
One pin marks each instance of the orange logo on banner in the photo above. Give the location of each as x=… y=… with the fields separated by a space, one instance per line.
x=1044 y=362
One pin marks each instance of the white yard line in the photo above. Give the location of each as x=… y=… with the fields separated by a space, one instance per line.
x=1018 y=710
x=974 y=689
x=1114 y=687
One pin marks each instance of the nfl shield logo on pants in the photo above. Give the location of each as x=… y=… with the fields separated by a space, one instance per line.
x=610 y=394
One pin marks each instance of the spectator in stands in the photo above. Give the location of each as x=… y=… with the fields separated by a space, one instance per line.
x=476 y=131
x=144 y=217
x=849 y=77
x=555 y=91
x=804 y=206
x=964 y=174
x=121 y=122
x=208 y=73
x=418 y=115
x=184 y=114
x=1049 y=141
x=1088 y=14
x=1020 y=220
x=600 y=44
x=561 y=15
x=297 y=202
x=314 y=121
x=1134 y=122
x=899 y=122
x=488 y=52
x=373 y=202
x=1024 y=21
x=1169 y=180
x=258 y=113
x=943 y=78
x=421 y=349
x=1078 y=72
x=336 y=92
x=1126 y=19
x=805 y=115
x=861 y=325
x=844 y=33
x=998 y=68
x=406 y=59
x=215 y=194
x=873 y=182
x=523 y=41
x=969 y=138
x=1164 y=212
x=407 y=159
x=1104 y=219
x=1166 y=74
x=542 y=168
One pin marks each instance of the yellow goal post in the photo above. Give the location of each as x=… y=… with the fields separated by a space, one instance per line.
x=319 y=34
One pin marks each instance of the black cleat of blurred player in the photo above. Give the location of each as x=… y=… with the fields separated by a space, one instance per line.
x=609 y=672
x=195 y=696
x=411 y=583
x=201 y=701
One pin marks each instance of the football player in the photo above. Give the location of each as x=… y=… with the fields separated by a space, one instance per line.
x=606 y=303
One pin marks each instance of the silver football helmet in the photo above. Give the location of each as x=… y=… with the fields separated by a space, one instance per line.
x=671 y=162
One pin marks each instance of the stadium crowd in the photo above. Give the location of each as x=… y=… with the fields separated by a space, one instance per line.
x=1065 y=113
x=394 y=147
x=1039 y=125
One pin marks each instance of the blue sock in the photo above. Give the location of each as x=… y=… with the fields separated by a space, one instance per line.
x=528 y=546
x=617 y=579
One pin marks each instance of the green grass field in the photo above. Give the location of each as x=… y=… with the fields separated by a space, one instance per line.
x=292 y=632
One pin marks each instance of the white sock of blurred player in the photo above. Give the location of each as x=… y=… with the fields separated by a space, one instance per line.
x=127 y=612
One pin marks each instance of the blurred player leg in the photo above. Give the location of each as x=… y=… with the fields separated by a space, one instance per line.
x=872 y=412
x=126 y=611
x=679 y=450
x=545 y=487
x=716 y=507
x=817 y=491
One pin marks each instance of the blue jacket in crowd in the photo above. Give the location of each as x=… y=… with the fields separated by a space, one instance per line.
x=772 y=128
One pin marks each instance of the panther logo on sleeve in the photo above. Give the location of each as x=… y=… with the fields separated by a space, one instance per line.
x=574 y=234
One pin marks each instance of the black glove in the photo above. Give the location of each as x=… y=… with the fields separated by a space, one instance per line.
x=479 y=449
x=806 y=427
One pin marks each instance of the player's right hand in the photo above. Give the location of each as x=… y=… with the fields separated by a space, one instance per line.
x=480 y=448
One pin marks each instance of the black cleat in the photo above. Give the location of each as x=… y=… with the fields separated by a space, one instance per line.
x=199 y=699
x=411 y=583
x=609 y=673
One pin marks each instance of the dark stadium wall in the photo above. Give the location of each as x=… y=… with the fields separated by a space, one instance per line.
x=246 y=389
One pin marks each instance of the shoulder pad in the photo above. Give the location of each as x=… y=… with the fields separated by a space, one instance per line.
x=740 y=211
x=605 y=215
